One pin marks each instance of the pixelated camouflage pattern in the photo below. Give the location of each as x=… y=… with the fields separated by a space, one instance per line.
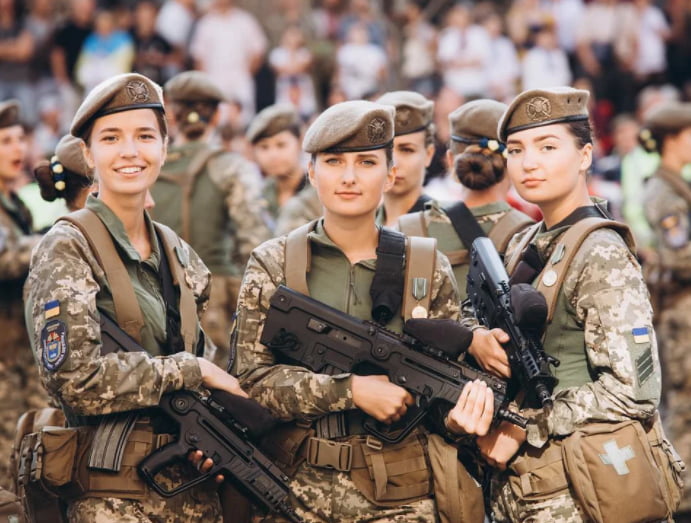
x=64 y=268
x=20 y=387
x=273 y=207
x=299 y=210
x=320 y=495
x=673 y=324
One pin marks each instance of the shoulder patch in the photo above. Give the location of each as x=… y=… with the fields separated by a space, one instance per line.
x=53 y=344
x=674 y=231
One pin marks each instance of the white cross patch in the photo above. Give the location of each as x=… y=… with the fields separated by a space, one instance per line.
x=617 y=457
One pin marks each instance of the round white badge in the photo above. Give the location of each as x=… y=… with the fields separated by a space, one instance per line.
x=550 y=278
x=419 y=312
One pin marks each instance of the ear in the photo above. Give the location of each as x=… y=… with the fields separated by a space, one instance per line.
x=86 y=152
x=310 y=174
x=430 y=154
x=586 y=158
x=449 y=159
x=390 y=178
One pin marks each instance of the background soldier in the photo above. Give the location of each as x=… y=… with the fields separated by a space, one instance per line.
x=667 y=206
x=209 y=198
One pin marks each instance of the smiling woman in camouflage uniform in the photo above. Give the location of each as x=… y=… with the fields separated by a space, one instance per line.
x=123 y=127
x=601 y=327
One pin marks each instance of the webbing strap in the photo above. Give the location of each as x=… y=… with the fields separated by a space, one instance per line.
x=525 y=240
x=512 y=222
x=464 y=223
x=128 y=314
x=677 y=182
x=297 y=258
x=413 y=224
x=421 y=257
x=387 y=285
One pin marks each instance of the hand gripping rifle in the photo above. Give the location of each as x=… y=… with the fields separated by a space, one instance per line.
x=521 y=312
x=221 y=426
x=309 y=333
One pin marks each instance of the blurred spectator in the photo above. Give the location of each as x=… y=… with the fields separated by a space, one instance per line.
x=545 y=64
x=229 y=45
x=679 y=50
x=16 y=49
x=68 y=41
x=625 y=129
x=154 y=55
x=292 y=62
x=363 y=13
x=566 y=14
x=464 y=54
x=48 y=131
x=325 y=23
x=419 y=51
x=523 y=19
x=174 y=23
x=361 y=65
x=503 y=70
x=107 y=51
x=605 y=50
x=40 y=22
x=650 y=62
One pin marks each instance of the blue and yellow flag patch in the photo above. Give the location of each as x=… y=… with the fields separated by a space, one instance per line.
x=51 y=309
x=641 y=335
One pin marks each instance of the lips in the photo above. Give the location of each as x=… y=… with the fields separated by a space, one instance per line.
x=129 y=170
x=347 y=195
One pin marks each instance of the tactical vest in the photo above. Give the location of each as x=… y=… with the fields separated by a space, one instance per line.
x=187 y=187
x=564 y=338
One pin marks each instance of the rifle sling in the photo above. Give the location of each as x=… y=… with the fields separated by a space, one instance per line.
x=464 y=223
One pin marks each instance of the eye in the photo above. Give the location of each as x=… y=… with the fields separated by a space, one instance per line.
x=147 y=136
x=108 y=138
x=548 y=147
x=368 y=163
x=512 y=151
x=331 y=161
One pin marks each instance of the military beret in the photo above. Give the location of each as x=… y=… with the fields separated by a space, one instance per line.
x=272 y=120
x=192 y=86
x=414 y=112
x=123 y=92
x=538 y=107
x=476 y=121
x=351 y=126
x=669 y=116
x=9 y=113
x=69 y=154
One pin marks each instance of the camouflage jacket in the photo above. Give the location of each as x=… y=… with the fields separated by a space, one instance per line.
x=292 y=392
x=299 y=210
x=63 y=294
x=16 y=240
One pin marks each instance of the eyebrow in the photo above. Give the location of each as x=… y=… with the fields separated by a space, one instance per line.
x=118 y=129
x=536 y=139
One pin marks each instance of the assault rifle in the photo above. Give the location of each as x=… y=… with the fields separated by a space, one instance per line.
x=521 y=312
x=221 y=426
x=326 y=340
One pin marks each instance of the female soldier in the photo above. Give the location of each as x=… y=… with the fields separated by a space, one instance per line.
x=146 y=268
x=351 y=167
x=667 y=200
x=600 y=328
x=478 y=164
x=19 y=383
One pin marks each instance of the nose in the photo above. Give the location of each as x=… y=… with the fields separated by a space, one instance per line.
x=529 y=161
x=128 y=148
x=348 y=176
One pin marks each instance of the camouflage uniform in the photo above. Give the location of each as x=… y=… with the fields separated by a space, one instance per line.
x=419 y=205
x=668 y=214
x=225 y=224
x=270 y=194
x=299 y=210
x=439 y=226
x=85 y=382
x=602 y=299
x=20 y=388
x=295 y=393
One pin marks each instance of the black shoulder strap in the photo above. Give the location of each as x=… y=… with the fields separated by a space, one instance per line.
x=419 y=204
x=386 y=290
x=174 y=342
x=464 y=223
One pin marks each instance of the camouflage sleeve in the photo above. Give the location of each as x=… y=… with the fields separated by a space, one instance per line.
x=15 y=251
x=244 y=203
x=606 y=292
x=290 y=392
x=65 y=335
x=444 y=303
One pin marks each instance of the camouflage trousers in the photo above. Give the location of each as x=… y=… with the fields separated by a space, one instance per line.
x=20 y=390
x=218 y=316
x=674 y=340
x=198 y=505
x=322 y=495
x=510 y=506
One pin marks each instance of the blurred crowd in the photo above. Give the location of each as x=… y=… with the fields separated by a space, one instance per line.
x=630 y=54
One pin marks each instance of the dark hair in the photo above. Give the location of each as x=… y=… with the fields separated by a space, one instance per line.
x=582 y=131
x=204 y=113
x=430 y=134
x=388 y=149
x=652 y=139
x=160 y=118
x=74 y=184
x=478 y=168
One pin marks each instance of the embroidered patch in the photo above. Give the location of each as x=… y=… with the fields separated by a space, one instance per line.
x=54 y=344
x=674 y=231
x=137 y=91
x=51 y=309
x=538 y=108
x=644 y=366
x=376 y=130
x=641 y=334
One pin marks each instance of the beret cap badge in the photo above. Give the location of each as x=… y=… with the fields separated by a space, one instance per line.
x=376 y=130
x=137 y=91
x=538 y=108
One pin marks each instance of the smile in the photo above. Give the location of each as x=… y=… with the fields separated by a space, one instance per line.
x=129 y=170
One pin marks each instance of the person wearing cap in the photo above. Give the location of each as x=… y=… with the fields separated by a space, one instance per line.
x=20 y=387
x=667 y=197
x=110 y=259
x=478 y=163
x=351 y=167
x=274 y=134
x=210 y=198
x=600 y=330
x=413 y=149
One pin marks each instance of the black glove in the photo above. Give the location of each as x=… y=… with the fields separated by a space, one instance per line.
x=250 y=414
x=448 y=336
x=529 y=307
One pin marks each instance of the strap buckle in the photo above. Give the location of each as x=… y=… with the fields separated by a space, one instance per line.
x=329 y=454
x=374 y=443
